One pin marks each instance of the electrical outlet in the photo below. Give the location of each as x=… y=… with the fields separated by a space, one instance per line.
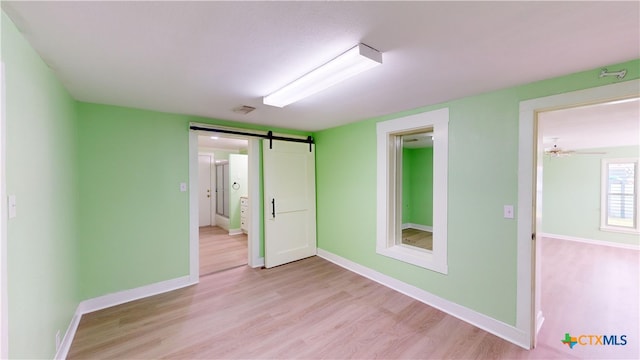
x=183 y=187
x=58 y=340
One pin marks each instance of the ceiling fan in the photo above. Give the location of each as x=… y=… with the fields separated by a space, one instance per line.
x=556 y=151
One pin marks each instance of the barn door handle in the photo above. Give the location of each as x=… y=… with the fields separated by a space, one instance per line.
x=273 y=208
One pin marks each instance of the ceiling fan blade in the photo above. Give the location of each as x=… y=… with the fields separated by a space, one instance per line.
x=562 y=153
x=589 y=153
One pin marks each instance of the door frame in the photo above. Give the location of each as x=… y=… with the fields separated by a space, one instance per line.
x=255 y=232
x=4 y=310
x=528 y=312
x=253 y=239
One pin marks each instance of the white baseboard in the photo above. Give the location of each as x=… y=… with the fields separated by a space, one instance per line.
x=65 y=345
x=592 y=241
x=235 y=232
x=498 y=328
x=417 y=227
x=121 y=297
x=222 y=222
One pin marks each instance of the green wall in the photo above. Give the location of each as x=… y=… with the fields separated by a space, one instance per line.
x=41 y=172
x=417 y=186
x=100 y=211
x=481 y=243
x=97 y=188
x=571 y=195
x=134 y=222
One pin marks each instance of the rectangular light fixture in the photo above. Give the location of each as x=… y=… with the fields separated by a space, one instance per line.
x=352 y=62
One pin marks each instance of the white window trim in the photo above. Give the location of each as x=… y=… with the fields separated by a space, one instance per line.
x=603 y=197
x=388 y=219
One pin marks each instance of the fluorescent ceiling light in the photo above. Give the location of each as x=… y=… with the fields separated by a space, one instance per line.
x=354 y=61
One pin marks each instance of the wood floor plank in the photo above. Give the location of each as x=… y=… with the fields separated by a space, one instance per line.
x=590 y=289
x=314 y=309
x=221 y=251
x=419 y=238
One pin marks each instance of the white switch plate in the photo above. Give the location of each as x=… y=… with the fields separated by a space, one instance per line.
x=508 y=211
x=183 y=187
x=11 y=204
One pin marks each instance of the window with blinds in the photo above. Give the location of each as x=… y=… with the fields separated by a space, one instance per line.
x=619 y=195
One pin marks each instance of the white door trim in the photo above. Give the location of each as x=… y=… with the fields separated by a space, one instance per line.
x=4 y=310
x=194 y=233
x=525 y=312
x=254 y=259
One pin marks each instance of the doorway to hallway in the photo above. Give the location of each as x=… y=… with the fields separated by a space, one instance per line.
x=223 y=195
x=253 y=203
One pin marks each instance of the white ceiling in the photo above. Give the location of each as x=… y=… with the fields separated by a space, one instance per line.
x=418 y=140
x=595 y=126
x=206 y=58
x=222 y=143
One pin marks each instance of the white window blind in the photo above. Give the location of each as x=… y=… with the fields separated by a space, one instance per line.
x=620 y=194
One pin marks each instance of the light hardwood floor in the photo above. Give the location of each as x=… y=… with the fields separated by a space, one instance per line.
x=221 y=251
x=590 y=290
x=418 y=238
x=315 y=309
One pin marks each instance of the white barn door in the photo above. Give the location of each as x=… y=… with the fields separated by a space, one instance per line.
x=289 y=202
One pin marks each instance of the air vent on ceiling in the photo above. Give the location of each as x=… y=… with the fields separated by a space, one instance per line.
x=243 y=109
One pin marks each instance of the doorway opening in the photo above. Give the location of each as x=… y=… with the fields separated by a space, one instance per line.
x=530 y=319
x=598 y=263
x=223 y=202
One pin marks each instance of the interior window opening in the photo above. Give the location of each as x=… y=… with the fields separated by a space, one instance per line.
x=416 y=190
x=412 y=156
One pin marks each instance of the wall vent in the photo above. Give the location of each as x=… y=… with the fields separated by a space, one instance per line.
x=243 y=109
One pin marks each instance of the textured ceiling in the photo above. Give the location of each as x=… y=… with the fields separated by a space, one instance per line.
x=218 y=142
x=206 y=58
x=594 y=126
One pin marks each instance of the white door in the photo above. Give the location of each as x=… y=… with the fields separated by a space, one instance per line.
x=204 y=191
x=289 y=202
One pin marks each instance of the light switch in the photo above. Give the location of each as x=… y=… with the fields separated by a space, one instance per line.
x=183 y=187
x=508 y=211
x=11 y=204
